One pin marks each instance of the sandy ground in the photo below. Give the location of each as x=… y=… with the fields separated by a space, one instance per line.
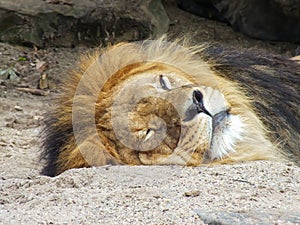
x=252 y=193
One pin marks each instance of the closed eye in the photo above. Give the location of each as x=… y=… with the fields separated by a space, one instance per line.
x=164 y=82
x=149 y=134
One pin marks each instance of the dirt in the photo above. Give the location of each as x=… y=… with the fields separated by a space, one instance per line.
x=257 y=192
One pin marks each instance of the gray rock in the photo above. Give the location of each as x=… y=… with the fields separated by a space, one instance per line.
x=247 y=218
x=203 y=8
x=289 y=8
x=71 y=22
x=275 y=20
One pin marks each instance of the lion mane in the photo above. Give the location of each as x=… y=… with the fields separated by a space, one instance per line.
x=259 y=91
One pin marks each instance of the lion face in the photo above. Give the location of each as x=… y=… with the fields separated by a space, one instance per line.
x=163 y=117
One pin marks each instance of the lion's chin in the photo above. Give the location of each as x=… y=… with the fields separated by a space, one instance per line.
x=227 y=131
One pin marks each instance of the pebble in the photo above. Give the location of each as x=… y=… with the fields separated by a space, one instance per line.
x=3 y=143
x=194 y=193
x=18 y=108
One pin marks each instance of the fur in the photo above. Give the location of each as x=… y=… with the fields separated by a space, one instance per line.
x=260 y=90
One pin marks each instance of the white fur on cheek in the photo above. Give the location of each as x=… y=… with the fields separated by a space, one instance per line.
x=225 y=137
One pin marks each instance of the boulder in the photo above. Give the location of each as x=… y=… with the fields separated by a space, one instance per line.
x=71 y=22
x=274 y=20
x=203 y=8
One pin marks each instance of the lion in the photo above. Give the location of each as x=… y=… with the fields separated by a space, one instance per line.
x=156 y=102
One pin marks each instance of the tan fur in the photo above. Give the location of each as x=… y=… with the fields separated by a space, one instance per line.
x=117 y=65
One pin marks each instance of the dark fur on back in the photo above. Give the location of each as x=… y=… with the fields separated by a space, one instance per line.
x=273 y=82
x=53 y=139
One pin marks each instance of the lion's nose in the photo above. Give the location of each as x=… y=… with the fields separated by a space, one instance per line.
x=196 y=107
x=198 y=101
x=197 y=97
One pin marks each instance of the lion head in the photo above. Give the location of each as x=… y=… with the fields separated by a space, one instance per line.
x=152 y=102
x=158 y=114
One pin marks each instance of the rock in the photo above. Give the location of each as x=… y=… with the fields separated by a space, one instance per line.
x=69 y=23
x=203 y=8
x=252 y=217
x=275 y=20
x=192 y=193
x=289 y=8
x=18 y=108
x=297 y=51
x=3 y=144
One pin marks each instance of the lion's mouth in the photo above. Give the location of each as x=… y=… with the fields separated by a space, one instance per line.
x=227 y=129
x=218 y=119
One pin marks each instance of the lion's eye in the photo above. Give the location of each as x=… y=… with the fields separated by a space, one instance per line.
x=149 y=133
x=164 y=82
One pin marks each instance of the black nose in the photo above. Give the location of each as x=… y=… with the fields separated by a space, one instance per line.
x=197 y=97
x=198 y=101
x=197 y=106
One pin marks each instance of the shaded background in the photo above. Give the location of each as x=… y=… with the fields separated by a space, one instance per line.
x=70 y=23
